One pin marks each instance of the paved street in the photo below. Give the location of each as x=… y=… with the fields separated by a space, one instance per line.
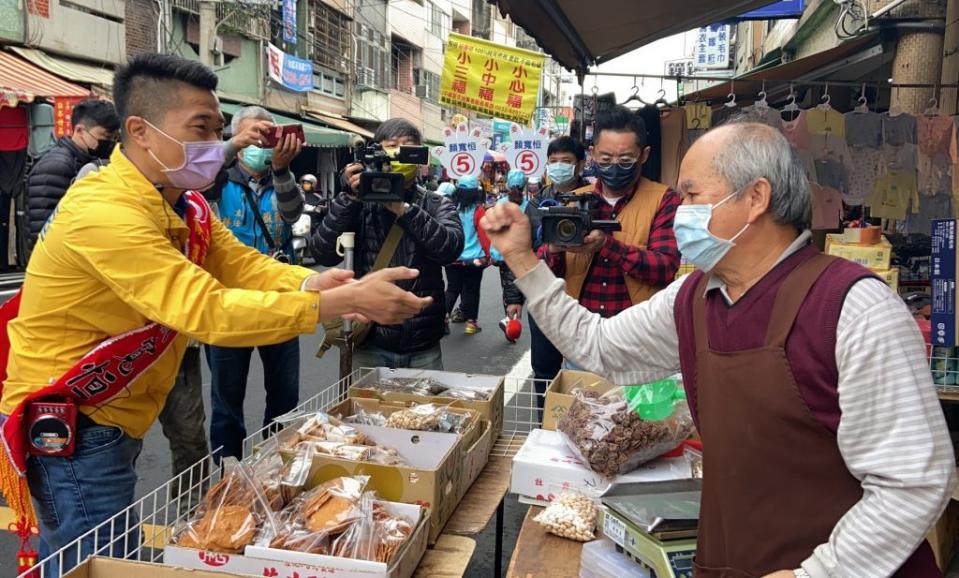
x=485 y=352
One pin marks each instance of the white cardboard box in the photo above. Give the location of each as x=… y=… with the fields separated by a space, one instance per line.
x=276 y=563
x=544 y=466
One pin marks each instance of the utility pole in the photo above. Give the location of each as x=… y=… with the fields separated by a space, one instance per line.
x=207 y=31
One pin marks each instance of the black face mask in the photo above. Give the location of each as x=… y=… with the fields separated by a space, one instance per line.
x=104 y=148
x=617 y=178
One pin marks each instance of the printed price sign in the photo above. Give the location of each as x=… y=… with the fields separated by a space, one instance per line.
x=526 y=150
x=463 y=151
x=614 y=529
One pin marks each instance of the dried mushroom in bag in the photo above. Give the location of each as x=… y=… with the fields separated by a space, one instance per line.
x=616 y=432
x=230 y=515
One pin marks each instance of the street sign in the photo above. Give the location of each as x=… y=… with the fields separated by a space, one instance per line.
x=775 y=11
x=463 y=151
x=526 y=150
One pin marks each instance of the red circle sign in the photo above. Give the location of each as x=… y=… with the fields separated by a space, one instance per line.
x=528 y=162
x=463 y=164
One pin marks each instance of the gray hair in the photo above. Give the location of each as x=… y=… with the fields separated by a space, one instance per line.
x=753 y=151
x=255 y=112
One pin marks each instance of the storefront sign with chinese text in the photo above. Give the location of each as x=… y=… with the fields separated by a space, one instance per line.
x=463 y=151
x=62 y=113
x=292 y=72
x=491 y=79
x=289 y=21
x=712 y=47
x=526 y=149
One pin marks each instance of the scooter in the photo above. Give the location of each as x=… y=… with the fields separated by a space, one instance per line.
x=315 y=207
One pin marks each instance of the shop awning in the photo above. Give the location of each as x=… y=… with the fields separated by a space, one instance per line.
x=69 y=69
x=822 y=65
x=19 y=76
x=580 y=34
x=316 y=135
x=340 y=123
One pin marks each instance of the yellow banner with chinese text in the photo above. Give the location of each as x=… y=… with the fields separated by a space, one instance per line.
x=499 y=81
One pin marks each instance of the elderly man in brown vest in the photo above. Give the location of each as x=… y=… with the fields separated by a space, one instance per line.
x=612 y=272
x=826 y=452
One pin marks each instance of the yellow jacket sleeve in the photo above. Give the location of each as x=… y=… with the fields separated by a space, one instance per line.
x=241 y=267
x=128 y=252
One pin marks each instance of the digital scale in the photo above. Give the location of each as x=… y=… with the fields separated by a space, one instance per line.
x=655 y=524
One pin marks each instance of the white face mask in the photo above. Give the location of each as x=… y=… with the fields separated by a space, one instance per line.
x=699 y=246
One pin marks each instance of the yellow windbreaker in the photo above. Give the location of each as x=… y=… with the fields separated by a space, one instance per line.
x=110 y=261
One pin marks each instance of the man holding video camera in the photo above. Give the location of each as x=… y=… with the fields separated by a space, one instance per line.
x=258 y=203
x=610 y=271
x=395 y=221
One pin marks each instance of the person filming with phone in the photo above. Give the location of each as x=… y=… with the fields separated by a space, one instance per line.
x=395 y=221
x=259 y=202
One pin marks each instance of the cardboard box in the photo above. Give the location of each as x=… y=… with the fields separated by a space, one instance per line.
x=876 y=256
x=559 y=396
x=945 y=321
x=890 y=277
x=491 y=409
x=942 y=537
x=98 y=567
x=545 y=465
x=442 y=468
x=285 y=564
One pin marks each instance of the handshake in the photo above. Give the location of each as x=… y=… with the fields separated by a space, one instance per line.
x=375 y=297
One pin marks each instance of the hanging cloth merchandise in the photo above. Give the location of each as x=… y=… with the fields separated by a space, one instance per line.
x=898 y=129
x=937 y=154
x=14 y=128
x=826 y=208
x=674 y=144
x=897 y=186
x=826 y=120
x=863 y=140
x=797 y=134
x=699 y=119
x=652 y=169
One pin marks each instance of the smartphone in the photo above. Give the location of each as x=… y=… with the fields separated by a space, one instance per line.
x=273 y=137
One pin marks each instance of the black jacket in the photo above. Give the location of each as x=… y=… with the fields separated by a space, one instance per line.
x=432 y=237
x=49 y=180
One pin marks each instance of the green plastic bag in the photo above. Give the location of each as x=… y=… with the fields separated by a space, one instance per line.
x=656 y=400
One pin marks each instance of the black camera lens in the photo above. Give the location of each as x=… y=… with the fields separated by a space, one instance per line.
x=381 y=185
x=566 y=230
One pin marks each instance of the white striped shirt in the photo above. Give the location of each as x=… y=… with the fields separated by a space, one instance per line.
x=892 y=434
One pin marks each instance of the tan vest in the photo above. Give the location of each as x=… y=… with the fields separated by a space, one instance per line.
x=637 y=220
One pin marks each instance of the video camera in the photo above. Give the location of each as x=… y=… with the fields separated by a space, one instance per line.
x=567 y=226
x=377 y=184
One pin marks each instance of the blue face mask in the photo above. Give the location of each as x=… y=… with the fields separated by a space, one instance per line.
x=696 y=243
x=561 y=173
x=257 y=159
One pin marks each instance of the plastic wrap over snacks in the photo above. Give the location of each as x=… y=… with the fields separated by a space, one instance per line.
x=430 y=387
x=339 y=518
x=570 y=515
x=425 y=417
x=233 y=511
x=616 y=432
x=323 y=434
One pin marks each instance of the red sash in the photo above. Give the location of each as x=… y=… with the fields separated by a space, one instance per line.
x=98 y=376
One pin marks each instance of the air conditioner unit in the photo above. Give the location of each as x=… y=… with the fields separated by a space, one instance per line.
x=421 y=90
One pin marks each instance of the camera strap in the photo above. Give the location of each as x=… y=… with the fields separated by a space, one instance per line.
x=259 y=219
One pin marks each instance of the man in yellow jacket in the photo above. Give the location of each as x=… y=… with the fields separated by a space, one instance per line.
x=111 y=260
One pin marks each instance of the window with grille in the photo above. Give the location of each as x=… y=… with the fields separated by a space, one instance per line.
x=372 y=58
x=331 y=37
x=430 y=81
x=439 y=21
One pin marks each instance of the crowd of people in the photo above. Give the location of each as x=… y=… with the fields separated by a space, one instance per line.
x=176 y=237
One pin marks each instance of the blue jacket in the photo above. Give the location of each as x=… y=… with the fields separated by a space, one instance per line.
x=234 y=210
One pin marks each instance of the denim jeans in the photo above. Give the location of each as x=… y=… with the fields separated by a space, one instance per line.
x=72 y=495
x=230 y=367
x=373 y=356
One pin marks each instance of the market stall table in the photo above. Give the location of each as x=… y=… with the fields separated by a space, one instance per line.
x=539 y=554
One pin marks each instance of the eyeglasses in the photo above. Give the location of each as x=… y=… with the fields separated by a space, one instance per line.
x=623 y=163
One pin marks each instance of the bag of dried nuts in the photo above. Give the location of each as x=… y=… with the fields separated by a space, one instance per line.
x=616 y=432
x=570 y=515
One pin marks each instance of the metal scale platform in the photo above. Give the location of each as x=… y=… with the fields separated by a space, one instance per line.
x=655 y=524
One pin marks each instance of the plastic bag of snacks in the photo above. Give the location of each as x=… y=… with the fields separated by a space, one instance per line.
x=426 y=386
x=376 y=537
x=570 y=515
x=617 y=431
x=231 y=514
x=315 y=518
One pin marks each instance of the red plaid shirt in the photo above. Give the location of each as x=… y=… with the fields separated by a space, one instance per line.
x=605 y=290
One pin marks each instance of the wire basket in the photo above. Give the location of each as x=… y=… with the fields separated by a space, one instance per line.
x=141 y=531
x=944 y=365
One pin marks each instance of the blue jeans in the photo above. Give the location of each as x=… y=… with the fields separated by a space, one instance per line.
x=230 y=367
x=373 y=356
x=72 y=495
